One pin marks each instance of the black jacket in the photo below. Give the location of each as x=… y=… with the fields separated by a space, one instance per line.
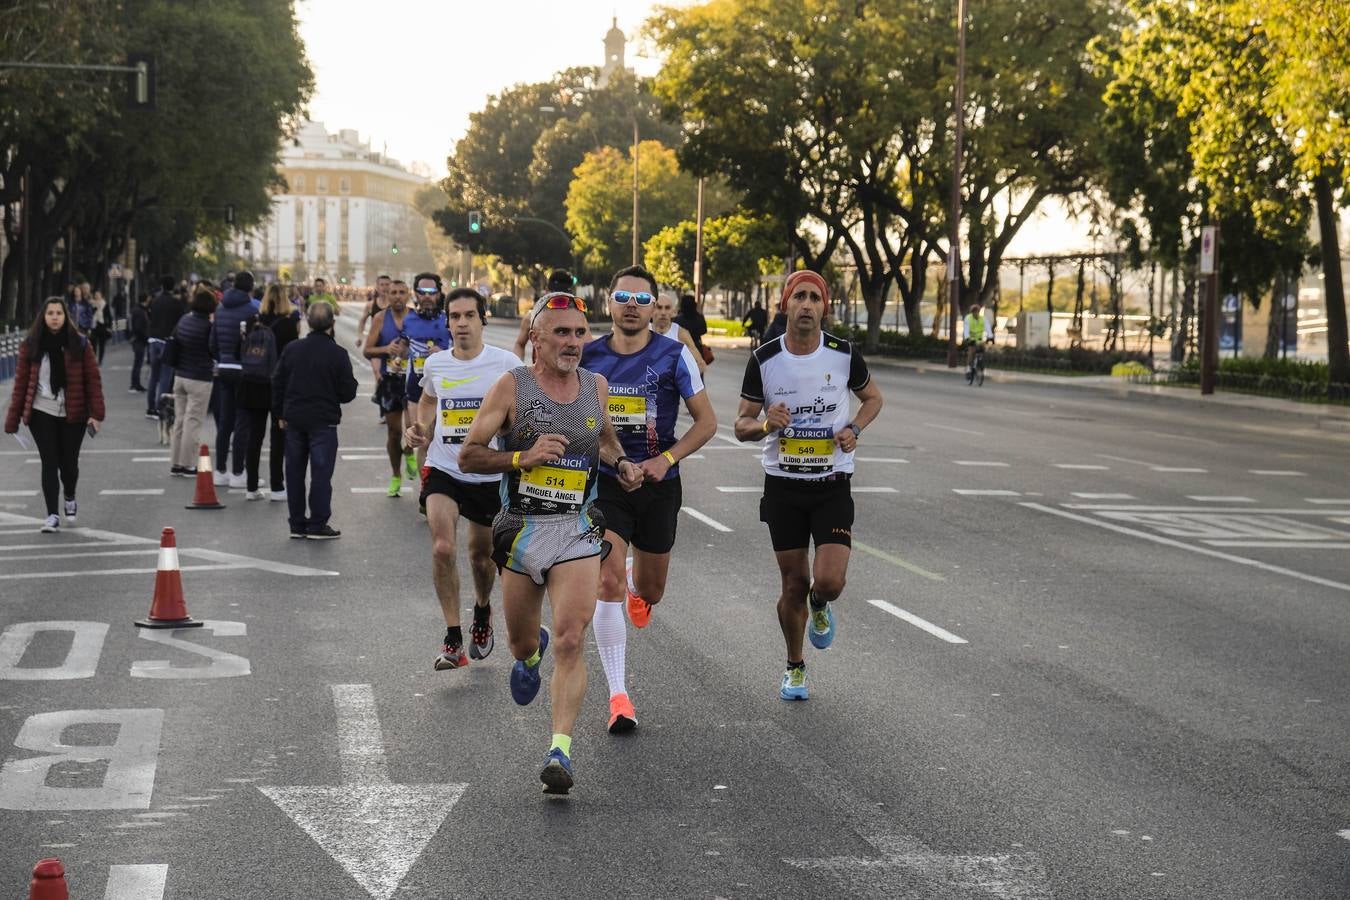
x=312 y=381
x=192 y=334
x=165 y=311
x=139 y=325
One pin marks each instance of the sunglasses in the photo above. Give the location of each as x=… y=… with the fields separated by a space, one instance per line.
x=563 y=301
x=430 y=291
x=641 y=298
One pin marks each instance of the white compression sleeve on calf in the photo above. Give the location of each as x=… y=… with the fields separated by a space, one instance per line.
x=611 y=638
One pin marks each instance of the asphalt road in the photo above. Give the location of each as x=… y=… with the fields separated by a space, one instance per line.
x=1090 y=647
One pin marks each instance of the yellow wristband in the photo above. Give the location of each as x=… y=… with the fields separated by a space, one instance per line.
x=515 y=460
x=766 y=426
x=669 y=456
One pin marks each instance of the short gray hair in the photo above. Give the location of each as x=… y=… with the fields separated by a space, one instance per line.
x=320 y=317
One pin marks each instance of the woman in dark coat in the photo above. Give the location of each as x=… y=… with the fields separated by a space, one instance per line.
x=58 y=394
x=278 y=315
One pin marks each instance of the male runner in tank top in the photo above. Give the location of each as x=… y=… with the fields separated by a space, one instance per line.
x=649 y=375
x=427 y=333
x=453 y=384
x=804 y=378
x=388 y=343
x=664 y=324
x=555 y=432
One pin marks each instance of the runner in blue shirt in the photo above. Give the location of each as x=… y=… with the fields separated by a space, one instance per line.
x=427 y=333
x=649 y=375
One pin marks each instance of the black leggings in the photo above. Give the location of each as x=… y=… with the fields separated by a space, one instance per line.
x=257 y=420
x=58 y=443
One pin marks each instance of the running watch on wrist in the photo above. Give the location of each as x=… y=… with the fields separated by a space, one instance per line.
x=620 y=461
x=857 y=432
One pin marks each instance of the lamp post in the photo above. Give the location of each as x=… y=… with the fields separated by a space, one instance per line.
x=954 y=253
x=635 y=183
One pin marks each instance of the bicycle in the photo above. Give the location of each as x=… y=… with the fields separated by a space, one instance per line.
x=975 y=374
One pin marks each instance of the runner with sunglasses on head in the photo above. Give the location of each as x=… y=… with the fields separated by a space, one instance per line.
x=554 y=431
x=453 y=384
x=559 y=281
x=649 y=376
x=809 y=437
x=388 y=342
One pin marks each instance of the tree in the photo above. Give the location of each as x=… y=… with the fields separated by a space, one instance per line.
x=669 y=255
x=736 y=246
x=600 y=202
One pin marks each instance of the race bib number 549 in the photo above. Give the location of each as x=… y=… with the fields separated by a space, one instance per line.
x=806 y=450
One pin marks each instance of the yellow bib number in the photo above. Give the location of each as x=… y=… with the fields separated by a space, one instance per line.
x=555 y=487
x=806 y=450
x=627 y=412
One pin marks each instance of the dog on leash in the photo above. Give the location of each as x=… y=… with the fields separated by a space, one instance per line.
x=166 y=417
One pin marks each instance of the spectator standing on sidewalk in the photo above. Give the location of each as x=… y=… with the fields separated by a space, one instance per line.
x=312 y=381
x=165 y=311
x=227 y=330
x=103 y=325
x=138 y=329
x=191 y=382
x=58 y=394
x=281 y=316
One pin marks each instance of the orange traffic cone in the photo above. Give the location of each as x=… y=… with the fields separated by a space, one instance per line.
x=168 y=610
x=49 y=881
x=205 y=498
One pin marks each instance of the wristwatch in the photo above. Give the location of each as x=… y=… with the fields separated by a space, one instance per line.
x=621 y=459
x=857 y=432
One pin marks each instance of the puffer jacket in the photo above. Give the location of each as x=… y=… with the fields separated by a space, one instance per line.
x=193 y=336
x=84 y=386
x=236 y=307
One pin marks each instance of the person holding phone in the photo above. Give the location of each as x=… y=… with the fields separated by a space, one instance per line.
x=58 y=394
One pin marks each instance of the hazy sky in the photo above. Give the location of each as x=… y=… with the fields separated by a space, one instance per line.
x=407 y=73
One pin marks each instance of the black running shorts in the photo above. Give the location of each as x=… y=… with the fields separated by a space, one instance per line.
x=478 y=503
x=798 y=511
x=392 y=392
x=645 y=518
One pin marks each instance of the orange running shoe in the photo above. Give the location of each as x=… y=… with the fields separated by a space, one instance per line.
x=639 y=610
x=622 y=718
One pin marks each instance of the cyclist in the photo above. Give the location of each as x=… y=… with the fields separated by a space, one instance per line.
x=978 y=332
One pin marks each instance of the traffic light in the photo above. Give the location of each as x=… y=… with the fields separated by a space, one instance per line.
x=475 y=222
x=141 y=81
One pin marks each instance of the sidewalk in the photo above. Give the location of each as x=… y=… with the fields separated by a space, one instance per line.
x=1323 y=416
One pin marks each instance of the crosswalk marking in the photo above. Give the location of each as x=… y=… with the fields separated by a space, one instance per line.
x=140 y=492
x=970 y=492
x=1278 y=473
x=1087 y=467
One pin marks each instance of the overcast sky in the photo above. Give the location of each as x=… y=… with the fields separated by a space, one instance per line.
x=407 y=73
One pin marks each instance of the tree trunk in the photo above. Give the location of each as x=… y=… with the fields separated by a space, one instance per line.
x=1273 y=323
x=1181 y=337
x=874 y=298
x=1338 y=341
x=918 y=284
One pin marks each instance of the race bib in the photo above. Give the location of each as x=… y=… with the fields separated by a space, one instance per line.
x=809 y=451
x=628 y=412
x=456 y=418
x=418 y=363
x=556 y=487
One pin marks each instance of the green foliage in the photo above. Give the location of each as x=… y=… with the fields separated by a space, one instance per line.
x=1285 y=369
x=669 y=255
x=726 y=327
x=736 y=246
x=600 y=202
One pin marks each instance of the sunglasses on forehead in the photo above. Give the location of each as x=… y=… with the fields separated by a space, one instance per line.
x=641 y=298
x=563 y=301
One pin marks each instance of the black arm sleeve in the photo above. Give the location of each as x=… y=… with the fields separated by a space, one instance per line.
x=752 y=387
x=858 y=376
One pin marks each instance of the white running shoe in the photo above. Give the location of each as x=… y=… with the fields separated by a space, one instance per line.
x=239 y=481
x=221 y=479
x=53 y=524
x=278 y=497
x=253 y=495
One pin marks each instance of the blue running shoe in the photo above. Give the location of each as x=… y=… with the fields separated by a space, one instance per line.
x=557 y=772
x=794 y=684
x=821 y=627
x=525 y=679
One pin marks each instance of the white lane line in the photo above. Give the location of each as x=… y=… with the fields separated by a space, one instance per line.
x=150 y=459
x=136 y=882
x=1204 y=499
x=352 y=457
x=32 y=575
x=1190 y=469
x=968 y=492
x=953 y=428
x=706 y=520
x=730 y=440
x=144 y=551
x=1105 y=496
x=142 y=492
x=360 y=741
x=873 y=490
x=738 y=446
x=879 y=459
x=1279 y=473
x=18 y=493
x=981 y=462
x=695 y=456
x=1291 y=545
x=1324 y=502
x=918 y=622
x=63 y=545
x=1203 y=551
x=897 y=561
x=248 y=562
x=1126 y=459
x=739 y=490
x=1087 y=467
x=32 y=462
x=1246 y=510
x=1344 y=834
x=380 y=490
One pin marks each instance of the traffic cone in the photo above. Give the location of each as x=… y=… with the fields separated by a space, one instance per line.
x=49 y=881
x=205 y=498
x=168 y=610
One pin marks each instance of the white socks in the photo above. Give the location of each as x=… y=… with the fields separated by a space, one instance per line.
x=611 y=638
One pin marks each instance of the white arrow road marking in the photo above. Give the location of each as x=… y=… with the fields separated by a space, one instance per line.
x=136 y=882
x=373 y=828
x=905 y=867
x=705 y=519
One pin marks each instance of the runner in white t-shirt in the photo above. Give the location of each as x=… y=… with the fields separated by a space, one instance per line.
x=453 y=383
x=663 y=323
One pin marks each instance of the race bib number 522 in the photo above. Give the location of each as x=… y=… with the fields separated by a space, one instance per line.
x=456 y=418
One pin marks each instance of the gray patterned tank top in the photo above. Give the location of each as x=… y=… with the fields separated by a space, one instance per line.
x=566 y=487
